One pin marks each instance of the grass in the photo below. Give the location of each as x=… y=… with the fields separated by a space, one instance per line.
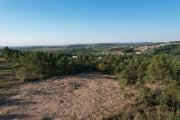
x=5 y=72
x=2 y=59
x=7 y=78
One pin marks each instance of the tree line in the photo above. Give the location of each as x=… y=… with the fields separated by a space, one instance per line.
x=131 y=69
x=34 y=65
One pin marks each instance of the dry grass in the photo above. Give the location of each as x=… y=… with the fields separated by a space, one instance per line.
x=7 y=79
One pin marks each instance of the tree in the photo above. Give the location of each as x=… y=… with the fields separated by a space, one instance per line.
x=159 y=69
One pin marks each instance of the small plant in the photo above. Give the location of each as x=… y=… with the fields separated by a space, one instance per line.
x=127 y=95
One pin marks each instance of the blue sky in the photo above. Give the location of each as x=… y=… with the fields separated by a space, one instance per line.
x=57 y=22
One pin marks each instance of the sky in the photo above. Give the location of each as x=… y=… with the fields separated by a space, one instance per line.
x=59 y=22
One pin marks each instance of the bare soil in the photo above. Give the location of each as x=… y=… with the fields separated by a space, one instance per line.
x=74 y=97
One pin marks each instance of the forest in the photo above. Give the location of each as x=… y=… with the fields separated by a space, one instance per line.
x=160 y=68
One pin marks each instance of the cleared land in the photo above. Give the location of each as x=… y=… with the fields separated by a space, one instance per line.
x=82 y=96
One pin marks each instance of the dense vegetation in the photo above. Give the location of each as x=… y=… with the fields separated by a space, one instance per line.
x=162 y=69
x=171 y=49
x=34 y=65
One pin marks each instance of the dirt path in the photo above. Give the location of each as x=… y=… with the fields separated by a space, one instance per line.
x=76 y=97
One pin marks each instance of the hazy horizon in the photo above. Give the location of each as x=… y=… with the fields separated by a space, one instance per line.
x=66 y=22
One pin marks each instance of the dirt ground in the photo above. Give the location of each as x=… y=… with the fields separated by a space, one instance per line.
x=74 y=97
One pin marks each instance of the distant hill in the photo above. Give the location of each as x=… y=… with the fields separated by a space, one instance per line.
x=90 y=48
